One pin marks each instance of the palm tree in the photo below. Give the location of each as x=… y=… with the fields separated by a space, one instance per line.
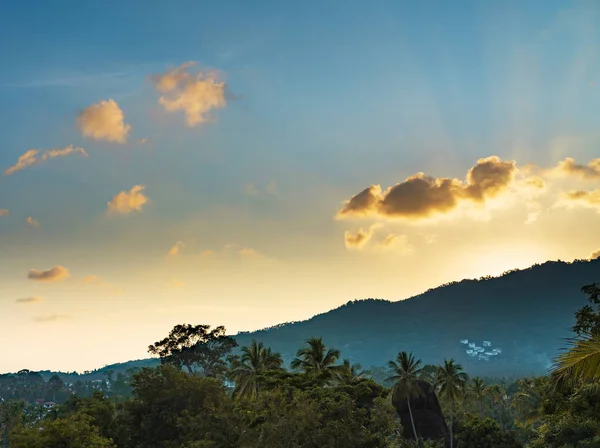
x=581 y=361
x=255 y=361
x=451 y=382
x=405 y=374
x=315 y=357
x=497 y=395
x=347 y=373
x=477 y=391
x=528 y=400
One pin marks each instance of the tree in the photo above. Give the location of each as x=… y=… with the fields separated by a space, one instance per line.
x=194 y=345
x=73 y=432
x=477 y=391
x=588 y=318
x=484 y=433
x=316 y=357
x=405 y=373
x=451 y=382
x=348 y=373
x=254 y=361
x=55 y=384
x=581 y=361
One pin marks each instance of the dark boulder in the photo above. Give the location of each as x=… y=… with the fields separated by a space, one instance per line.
x=427 y=414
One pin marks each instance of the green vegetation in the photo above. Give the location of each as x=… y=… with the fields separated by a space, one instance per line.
x=203 y=395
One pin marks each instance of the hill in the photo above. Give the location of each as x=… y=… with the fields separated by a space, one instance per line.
x=524 y=313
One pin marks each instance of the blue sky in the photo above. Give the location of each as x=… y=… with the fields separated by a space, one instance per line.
x=323 y=100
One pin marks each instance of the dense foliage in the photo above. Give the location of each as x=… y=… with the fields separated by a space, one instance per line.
x=222 y=400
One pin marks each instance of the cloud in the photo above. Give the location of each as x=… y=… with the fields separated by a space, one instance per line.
x=96 y=280
x=396 y=242
x=248 y=252
x=128 y=201
x=588 y=199
x=207 y=253
x=194 y=94
x=54 y=274
x=356 y=240
x=176 y=248
x=177 y=283
x=32 y=222
x=37 y=156
x=52 y=318
x=595 y=255
x=591 y=171
x=3 y=212
x=421 y=196
x=29 y=300
x=104 y=121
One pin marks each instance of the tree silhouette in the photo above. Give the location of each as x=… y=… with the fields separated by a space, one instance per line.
x=451 y=381
x=405 y=373
x=316 y=357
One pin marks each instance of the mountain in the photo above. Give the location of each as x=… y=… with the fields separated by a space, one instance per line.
x=524 y=313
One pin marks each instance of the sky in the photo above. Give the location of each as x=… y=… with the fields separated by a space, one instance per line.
x=250 y=163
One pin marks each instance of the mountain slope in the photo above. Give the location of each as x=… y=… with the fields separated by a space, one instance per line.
x=527 y=313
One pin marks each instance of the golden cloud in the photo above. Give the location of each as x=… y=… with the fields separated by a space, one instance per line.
x=54 y=274
x=52 y=318
x=591 y=171
x=421 y=196
x=588 y=199
x=29 y=300
x=595 y=255
x=396 y=242
x=357 y=240
x=36 y=156
x=32 y=222
x=3 y=212
x=128 y=201
x=177 y=283
x=104 y=121
x=176 y=248
x=96 y=280
x=194 y=94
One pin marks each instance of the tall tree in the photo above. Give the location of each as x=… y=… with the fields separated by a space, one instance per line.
x=254 y=362
x=405 y=373
x=347 y=373
x=195 y=345
x=451 y=381
x=588 y=317
x=477 y=391
x=315 y=357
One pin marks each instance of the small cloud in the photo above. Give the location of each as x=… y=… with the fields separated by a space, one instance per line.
x=356 y=240
x=176 y=248
x=194 y=94
x=96 y=280
x=207 y=253
x=591 y=171
x=32 y=222
x=177 y=283
x=54 y=274
x=421 y=196
x=3 y=212
x=104 y=121
x=247 y=252
x=429 y=238
x=29 y=300
x=397 y=242
x=37 y=156
x=52 y=318
x=250 y=189
x=128 y=201
x=595 y=255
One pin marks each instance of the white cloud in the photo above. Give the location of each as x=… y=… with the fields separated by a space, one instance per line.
x=104 y=121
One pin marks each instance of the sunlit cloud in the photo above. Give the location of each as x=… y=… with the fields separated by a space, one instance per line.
x=397 y=243
x=37 y=156
x=421 y=196
x=128 y=201
x=248 y=252
x=591 y=171
x=176 y=248
x=3 y=212
x=595 y=255
x=177 y=283
x=194 y=94
x=207 y=253
x=54 y=274
x=104 y=121
x=582 y=198
x=32 y=222
x=52 y=318
x=358 y=239
x=29 y=300
x=96 y=280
